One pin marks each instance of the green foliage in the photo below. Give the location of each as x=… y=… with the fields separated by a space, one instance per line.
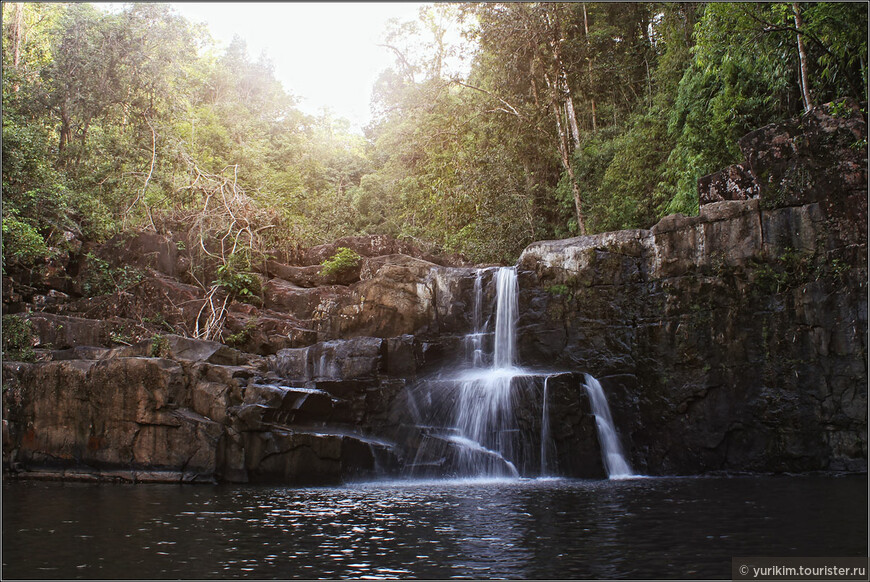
x=159 y=346
x=136 y=117
x=159 y=320
x=558 y=289
x=235 y=276
x=121 y=337
x=100 y=278
x=18 y=339
x=22 y=243
x=343 y=260
x=793 y=268
x=743 y=76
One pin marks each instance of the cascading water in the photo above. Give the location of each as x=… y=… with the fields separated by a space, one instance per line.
x=484 y=419
x=474 y=340
x=546 y=440
x=487 y=416
x=611 y=449
x=507 y=290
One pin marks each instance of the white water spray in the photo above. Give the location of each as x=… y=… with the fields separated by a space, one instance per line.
x=611 y=448
x=474 y=340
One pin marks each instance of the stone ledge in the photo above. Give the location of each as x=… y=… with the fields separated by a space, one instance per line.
x=110 y=475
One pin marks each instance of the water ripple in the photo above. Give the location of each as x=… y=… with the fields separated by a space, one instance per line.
x=650 y=528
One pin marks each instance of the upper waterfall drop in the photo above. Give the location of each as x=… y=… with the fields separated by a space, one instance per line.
x=506 y=315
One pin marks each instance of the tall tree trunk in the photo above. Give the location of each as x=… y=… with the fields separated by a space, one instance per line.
x=565 y=157
x=16 y=34
x=562 y=100
x=65 y=128
x=563 y=88
x=589 y=61
x=571 y=115
x=802 y=55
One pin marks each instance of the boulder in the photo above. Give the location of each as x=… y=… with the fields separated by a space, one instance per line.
x=735 y=182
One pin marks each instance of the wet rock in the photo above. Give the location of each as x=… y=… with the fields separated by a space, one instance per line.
x=62 y=332
x=194 y=350
x=303 y=458
x=102 y=423
x=355 y=358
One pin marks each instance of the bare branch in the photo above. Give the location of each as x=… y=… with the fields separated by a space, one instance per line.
x=408 y=69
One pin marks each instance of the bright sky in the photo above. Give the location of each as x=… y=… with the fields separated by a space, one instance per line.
x=325 y=53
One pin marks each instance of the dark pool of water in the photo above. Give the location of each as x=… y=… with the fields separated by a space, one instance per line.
x=644 y=528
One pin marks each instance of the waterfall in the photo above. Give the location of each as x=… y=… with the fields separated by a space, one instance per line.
x=474 y=340
x=507 y=290
x=611 y=449
x=545 y=429
x=475 y=419
x=484 y=417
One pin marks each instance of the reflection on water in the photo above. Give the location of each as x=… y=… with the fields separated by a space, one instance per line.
x=533 y=529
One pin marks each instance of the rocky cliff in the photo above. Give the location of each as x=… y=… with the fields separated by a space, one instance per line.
x=730 y=341
x=737 y=339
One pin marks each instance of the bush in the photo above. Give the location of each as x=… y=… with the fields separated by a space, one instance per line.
x=22 y=243
x=343 y=259
x=239 y=282
x=100 y=278
x=18 y=339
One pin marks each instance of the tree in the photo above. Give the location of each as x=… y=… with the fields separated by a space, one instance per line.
x=802 y=56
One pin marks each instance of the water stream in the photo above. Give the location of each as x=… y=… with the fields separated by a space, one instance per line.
x=546 y=439
x=611 y=448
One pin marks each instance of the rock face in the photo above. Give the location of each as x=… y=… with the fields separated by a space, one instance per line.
x=730 y=341
x=735 y=340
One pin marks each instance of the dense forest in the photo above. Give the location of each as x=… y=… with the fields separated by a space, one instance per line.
x=571 y=118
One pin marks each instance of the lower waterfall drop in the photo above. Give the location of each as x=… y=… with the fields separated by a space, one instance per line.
x=546 y=440
x=615 y=464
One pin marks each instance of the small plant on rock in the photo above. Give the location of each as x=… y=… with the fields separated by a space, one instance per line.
x=121 y=337
x=159 y=346
x=343 y=259
x=243 y=335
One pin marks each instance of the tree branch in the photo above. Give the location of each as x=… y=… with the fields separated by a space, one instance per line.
x=509 y=109
x=409 y=70
x=771 y=27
